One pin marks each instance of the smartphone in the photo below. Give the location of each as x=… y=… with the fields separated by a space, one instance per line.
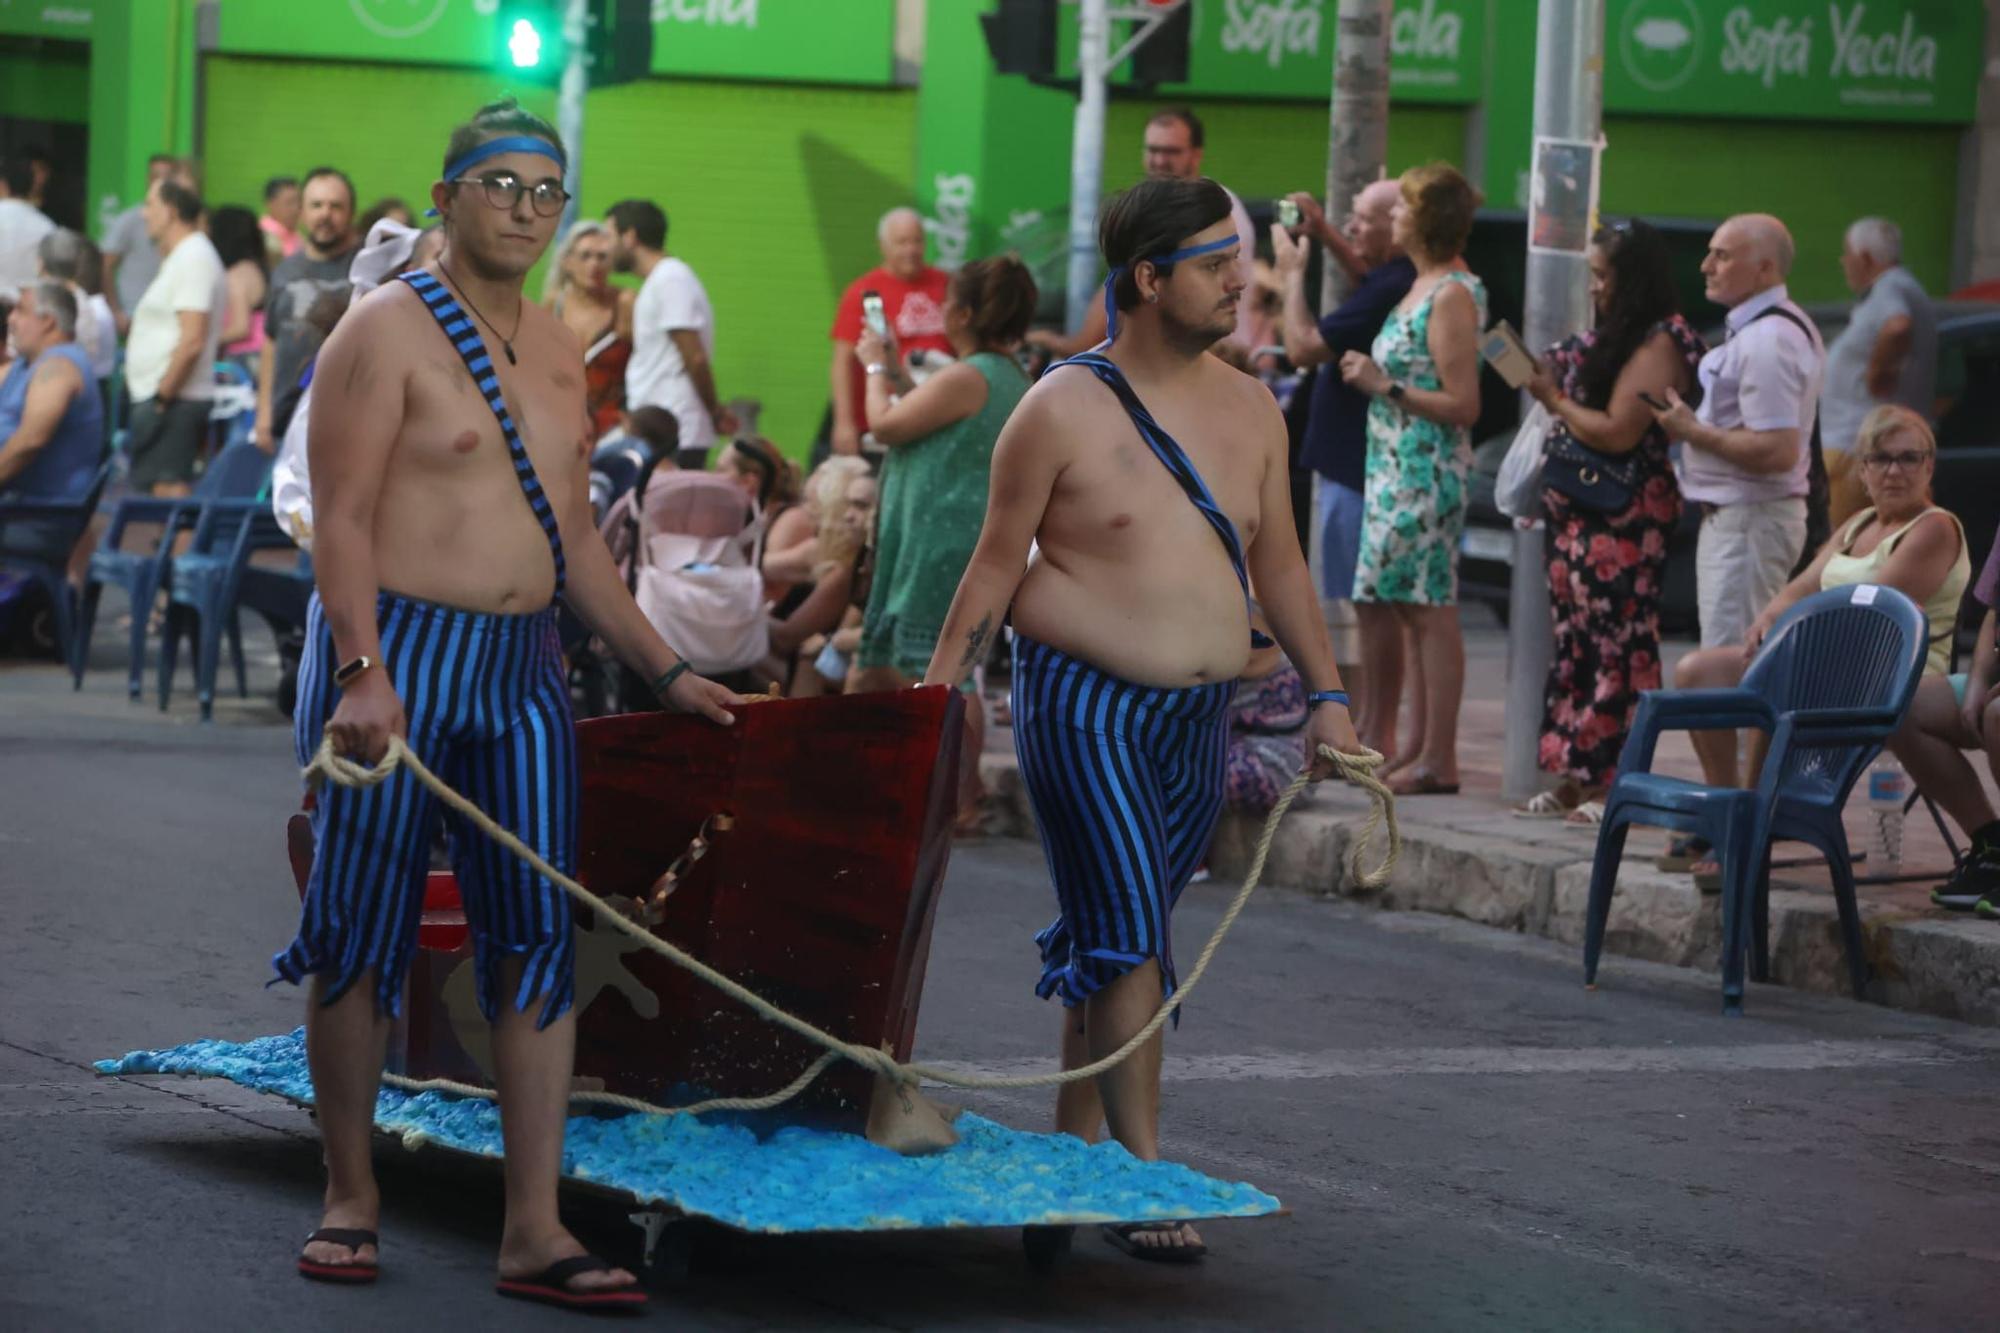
x=1503 y=351
x=1652 y=402
x=872 y=314
x=1288 y=214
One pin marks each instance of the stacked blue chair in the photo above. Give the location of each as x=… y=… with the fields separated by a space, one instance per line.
x=37 y=537
x=202 y=593
x=237 y=473
x=1830 y=686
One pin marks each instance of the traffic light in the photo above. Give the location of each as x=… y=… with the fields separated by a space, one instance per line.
x=620 y=42
x=1021 y=35
x=530 y=36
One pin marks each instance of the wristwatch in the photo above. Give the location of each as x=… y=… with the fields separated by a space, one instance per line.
x=876 y=368
x=350 y=672
x=1395 y=392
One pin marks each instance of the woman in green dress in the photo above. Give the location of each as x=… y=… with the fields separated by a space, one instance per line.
x=1424 y=379
x=940 y=437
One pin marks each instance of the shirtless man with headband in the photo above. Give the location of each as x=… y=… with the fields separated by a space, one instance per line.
x=1154 y=480
x=449 y=451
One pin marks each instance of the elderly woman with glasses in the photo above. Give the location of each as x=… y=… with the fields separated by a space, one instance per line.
x=1901 y=541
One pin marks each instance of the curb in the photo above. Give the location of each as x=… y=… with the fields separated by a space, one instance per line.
x=1461 y=858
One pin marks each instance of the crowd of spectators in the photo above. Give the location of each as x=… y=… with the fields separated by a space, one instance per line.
x=1809 y=463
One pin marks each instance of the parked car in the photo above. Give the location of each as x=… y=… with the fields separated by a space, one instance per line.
x=1967 y=481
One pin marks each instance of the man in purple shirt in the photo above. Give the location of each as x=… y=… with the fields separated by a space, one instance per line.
x=1947 y=719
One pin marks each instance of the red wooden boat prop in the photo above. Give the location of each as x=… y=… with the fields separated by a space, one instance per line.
x=827 y=823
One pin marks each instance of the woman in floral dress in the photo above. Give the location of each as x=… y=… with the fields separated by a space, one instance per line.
x=1606 y=566
x=1424 y=378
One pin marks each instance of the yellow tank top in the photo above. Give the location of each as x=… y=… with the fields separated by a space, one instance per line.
x=1942 y=608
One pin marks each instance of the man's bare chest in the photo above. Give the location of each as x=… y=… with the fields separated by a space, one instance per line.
x=1120 y=479
x=449 y=422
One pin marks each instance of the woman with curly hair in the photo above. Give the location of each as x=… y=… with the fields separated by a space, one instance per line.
x=1609 y=507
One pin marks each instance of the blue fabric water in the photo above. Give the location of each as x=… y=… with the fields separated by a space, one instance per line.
x=792 y=1181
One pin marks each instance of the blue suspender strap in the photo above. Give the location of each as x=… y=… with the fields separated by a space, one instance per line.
x=464 y=336
x=1175 y=460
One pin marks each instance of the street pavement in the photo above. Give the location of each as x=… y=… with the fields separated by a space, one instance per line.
x=1464 y=1137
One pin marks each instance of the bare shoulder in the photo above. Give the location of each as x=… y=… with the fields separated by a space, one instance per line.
x=1455 y=299
x=544 y=322
x=382 y=327
x=1245 y=394
x=1052 y=415
x=1935 y=534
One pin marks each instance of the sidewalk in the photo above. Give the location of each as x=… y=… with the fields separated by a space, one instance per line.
x=1468 y=856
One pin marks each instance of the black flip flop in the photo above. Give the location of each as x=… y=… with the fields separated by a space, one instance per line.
x=551 y=1287
x=1120 y=1235
x=354 y=1274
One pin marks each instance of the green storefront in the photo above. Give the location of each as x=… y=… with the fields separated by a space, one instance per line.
x=775 y=132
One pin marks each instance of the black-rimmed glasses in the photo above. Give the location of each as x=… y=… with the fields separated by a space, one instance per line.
x=504 y=189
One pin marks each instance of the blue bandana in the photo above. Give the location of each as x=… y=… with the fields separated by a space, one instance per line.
x=511 y=143
x=1158 y=261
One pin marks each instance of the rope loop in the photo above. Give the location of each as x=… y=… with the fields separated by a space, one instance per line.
x=1355 y=768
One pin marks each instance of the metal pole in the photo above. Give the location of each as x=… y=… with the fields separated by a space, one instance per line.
x=1086 y=168
x=569 y=102
x=1569 y=104
x=1357 y=149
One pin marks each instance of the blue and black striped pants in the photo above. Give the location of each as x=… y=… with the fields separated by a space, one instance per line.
x=1126 y=783
x=486 y=697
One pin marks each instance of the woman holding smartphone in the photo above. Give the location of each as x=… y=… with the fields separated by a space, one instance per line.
x=1609 y=507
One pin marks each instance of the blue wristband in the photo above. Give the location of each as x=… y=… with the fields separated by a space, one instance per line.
x=1319 y=697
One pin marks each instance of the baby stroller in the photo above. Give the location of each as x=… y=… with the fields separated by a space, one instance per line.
x=690 y=545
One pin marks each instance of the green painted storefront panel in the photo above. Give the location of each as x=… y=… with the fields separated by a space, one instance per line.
x=774 y=203
x=45 y=83
x=1670 y=168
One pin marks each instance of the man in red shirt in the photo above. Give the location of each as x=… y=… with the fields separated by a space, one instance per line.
x=913 y=297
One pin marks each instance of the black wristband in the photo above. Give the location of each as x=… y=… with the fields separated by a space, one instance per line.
x=665 y=680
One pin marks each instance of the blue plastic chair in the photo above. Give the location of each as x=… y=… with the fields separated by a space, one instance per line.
x=1830 y=686
x=37 y=538
x=202 y=586
x=238 y=472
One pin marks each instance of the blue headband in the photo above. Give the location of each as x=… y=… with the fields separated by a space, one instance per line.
x=512 y=143
x=1157 y=261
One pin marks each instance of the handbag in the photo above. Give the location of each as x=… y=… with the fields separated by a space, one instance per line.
x=1591 y=479
x=1517 y=490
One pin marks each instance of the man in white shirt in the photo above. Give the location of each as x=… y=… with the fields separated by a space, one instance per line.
x=1747 y=452
x=673 y=332
x=22 y=226
x=130 y=261
x=1174 y=145
x=170 y=356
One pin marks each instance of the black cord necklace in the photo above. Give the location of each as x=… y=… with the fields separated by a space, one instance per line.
x=506 y=341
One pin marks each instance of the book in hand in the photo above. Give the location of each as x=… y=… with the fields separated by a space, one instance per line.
x=1505 y=352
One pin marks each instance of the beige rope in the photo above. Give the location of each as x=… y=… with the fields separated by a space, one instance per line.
x=1358 y=769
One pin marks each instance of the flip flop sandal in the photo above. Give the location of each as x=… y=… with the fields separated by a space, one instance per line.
x=1586 y=813
x=1708 y=881
x=551 y=1287
x=1542 y=805
x=1681 y=854
x=354 y=1274
x=1121 y=1234
x=1425 y=783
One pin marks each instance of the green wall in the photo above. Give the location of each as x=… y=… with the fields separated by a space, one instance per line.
x=774 y=200
x=1817 y=177
x=44 y=80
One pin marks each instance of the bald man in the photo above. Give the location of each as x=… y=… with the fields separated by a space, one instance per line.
x=1750 y=445
x=1336 y=435
x=913 y=296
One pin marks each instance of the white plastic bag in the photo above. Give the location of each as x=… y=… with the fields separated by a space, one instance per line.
x=1517 y=491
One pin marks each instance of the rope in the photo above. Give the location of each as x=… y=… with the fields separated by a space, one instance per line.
x=1358 y=769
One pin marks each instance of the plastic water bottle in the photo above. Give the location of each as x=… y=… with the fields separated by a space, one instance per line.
x=1888 y=789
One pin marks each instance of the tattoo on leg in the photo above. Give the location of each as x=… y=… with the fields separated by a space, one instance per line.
x=975 y=644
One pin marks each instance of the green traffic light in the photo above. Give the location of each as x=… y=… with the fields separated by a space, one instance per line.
x=524 y=45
